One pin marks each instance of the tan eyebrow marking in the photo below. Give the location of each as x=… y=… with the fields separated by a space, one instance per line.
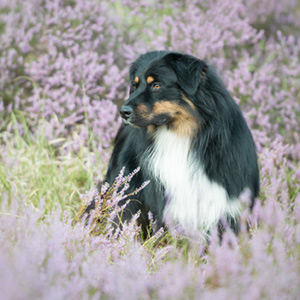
x=136 y=79
x=150 y=79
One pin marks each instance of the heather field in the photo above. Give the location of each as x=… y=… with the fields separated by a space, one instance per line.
x=63 y=74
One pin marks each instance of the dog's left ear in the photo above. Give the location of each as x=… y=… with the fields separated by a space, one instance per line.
x=190 y=71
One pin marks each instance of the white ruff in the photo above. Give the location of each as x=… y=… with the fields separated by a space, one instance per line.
x=195 y=202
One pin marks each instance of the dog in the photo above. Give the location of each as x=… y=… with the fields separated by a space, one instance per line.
x=185 y=131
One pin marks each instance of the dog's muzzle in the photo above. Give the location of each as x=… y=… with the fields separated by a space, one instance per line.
x=126 y=111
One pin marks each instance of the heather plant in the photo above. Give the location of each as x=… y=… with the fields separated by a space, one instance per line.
x=63 y=73
x=273 y=15
x=47 y=257
x=58 y=63
x=66 y=61
x=106 y=217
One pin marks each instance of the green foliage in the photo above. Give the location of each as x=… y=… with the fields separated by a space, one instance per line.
x=35 y=169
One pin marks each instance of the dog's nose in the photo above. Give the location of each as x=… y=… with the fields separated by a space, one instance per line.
x=126 y=111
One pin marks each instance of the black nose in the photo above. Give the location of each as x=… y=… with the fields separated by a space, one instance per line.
x=126 y=111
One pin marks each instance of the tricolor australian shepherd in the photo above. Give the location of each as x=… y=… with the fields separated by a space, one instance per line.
x=184 y=130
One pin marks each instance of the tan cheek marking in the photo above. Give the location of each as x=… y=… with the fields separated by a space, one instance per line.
x=151 y=130
x=182 y=123
x=150 y=79
x=190 y=103
x=136 y=79
x=165 y=107
x=143 y=112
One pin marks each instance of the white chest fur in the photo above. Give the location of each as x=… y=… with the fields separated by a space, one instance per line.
x=195 y=202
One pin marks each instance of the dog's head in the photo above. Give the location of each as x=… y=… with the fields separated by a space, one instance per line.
x=162 y=91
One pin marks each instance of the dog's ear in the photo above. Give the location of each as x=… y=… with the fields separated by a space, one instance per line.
x=190 y=71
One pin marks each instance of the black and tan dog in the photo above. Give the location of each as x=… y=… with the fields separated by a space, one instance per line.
x=183 y=128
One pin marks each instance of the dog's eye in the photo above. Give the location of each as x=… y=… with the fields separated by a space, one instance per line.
x=156 y=86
